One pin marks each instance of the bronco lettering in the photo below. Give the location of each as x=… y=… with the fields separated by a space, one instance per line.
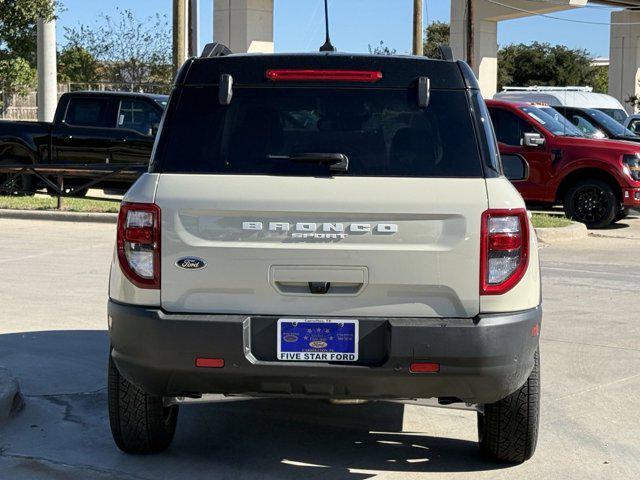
x=330 y=230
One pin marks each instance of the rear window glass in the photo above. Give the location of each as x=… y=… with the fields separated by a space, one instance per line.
x=609 y=123
x=552 y=121
x=138 y=115
x=383 y=132
x=89 y=112
x=617 y=114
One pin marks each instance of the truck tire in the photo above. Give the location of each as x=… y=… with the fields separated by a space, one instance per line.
x=140 y=422
x=508 y=429
x=24 y=186
x=592 y=202
x=622 y=214
x=78 y=193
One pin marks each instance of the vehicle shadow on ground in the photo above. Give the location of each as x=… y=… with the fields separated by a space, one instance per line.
x=63 y=375
x=619 y=225
x=305 y=438
x=622 y=224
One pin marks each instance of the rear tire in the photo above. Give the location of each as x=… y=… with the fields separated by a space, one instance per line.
x=3 y=178
x=592 y=202
x=140 y=422
x=77 y=193
x=508 y=429
x=24 y=185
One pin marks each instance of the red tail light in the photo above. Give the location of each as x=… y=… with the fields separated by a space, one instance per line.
x=504 y=250
x=367 y=76
x=139 y=243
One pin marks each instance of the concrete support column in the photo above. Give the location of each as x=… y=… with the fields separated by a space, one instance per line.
x=194 y=28
x=47 y=71
x=244 y=25
x=486 y=16
x=624 y=57
x=485 y=45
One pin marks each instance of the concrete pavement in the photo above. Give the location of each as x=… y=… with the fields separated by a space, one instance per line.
x=53 y=287
x=626 y=228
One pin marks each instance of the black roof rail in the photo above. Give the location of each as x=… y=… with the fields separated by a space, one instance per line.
x=215 y=49
x=446 y=53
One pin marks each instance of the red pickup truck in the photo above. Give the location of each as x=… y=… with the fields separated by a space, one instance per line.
x=596 y=180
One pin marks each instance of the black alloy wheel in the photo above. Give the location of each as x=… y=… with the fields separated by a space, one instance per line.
x=591 y=202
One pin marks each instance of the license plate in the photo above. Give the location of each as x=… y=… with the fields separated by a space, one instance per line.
x=317 y=340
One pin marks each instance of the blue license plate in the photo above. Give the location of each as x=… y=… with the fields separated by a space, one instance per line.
x=317 y=340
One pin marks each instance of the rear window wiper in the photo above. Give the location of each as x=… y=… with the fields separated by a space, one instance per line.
x=338 y=162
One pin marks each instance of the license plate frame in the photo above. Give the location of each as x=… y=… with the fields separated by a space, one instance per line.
x=340 y=338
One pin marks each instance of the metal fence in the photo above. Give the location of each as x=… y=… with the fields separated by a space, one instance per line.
x=158 y=88
x=25 y=107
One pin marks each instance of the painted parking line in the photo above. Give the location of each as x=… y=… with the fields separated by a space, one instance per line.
x=592 y=272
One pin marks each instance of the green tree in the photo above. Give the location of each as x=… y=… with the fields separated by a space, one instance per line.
x=601 y=79
x=17 y=76
x=382 y=49
x=436 y=34
x=544 y=64
x=18 y=23
x=76 y=64
x=128 y=49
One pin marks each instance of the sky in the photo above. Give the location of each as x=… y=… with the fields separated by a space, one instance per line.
x=356 y=24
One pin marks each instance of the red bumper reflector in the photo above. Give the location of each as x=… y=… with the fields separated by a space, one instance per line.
x=367 y=76
x=422 y=367
x=209 y=362
x=535 y=331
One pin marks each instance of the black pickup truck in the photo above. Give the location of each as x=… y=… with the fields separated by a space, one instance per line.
x=89 y=128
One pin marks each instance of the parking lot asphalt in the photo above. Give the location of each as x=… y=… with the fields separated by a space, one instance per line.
x=53 y=289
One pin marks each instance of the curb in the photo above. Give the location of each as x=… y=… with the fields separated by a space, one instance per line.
x=10 y=397
x=59 y=216
x=549 y=236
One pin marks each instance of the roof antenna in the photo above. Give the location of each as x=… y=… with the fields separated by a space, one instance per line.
x=327 y=47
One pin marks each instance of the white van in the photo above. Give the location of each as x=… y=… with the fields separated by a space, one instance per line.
x=582 y=97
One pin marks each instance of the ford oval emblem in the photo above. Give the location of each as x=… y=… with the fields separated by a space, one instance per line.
x=191 y=263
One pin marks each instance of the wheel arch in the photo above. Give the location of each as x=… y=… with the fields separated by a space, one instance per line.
x=19 y=148
x=588 y=173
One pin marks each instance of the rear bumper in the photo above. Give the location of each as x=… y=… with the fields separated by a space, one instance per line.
x=481 y=360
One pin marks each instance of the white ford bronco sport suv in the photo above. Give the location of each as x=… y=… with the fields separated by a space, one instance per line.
x=325 y=226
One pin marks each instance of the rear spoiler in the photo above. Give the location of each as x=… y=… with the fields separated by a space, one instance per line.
x=446 y=53
x=215 y=49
